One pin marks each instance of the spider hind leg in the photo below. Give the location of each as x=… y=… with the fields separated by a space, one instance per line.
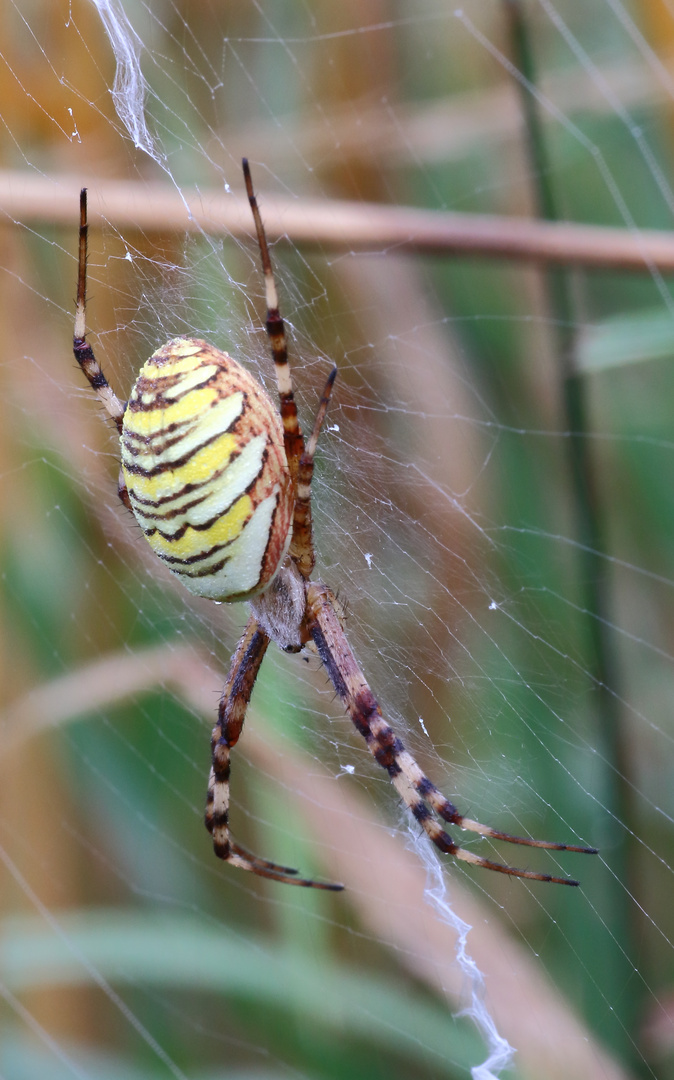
x=236 y=695
x=449 y=813
x=421 y=796
x=444 y=842
x=243 y=859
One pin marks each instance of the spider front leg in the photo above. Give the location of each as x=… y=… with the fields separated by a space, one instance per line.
x=300 y=456
x=84 y=354
x=231 y=714
x=413 y=786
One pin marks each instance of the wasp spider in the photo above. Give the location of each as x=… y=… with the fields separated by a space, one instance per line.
x=220 y=483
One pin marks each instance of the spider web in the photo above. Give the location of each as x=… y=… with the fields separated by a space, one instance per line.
x=493 y=505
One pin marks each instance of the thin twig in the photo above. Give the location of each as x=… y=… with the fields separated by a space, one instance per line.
x=340 y=225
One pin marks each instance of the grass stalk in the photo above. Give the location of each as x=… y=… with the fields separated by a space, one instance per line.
x=615 y=906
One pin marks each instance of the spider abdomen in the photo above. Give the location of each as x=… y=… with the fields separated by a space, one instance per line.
x=206 y=470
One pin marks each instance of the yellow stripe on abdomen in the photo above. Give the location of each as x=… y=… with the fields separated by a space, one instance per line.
x=193 y=543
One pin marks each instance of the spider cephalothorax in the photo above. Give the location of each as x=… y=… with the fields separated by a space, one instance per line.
x=220 y=483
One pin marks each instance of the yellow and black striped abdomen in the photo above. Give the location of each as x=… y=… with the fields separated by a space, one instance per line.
x=206 y=471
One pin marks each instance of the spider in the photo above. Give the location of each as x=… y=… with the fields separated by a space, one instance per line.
x=220 y=483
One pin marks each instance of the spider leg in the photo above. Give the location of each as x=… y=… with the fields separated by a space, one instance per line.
x=84 y=354
x=231 y=714
x=292 y=434
x=260 y=864
x=414 y=788
x=123 y=491
x=448 y=812
x=300 y=458
x=301 y=545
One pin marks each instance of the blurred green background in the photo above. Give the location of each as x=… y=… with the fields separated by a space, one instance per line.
x=494 y=506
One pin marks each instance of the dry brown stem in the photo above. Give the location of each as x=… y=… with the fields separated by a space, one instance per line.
x=340 y=225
